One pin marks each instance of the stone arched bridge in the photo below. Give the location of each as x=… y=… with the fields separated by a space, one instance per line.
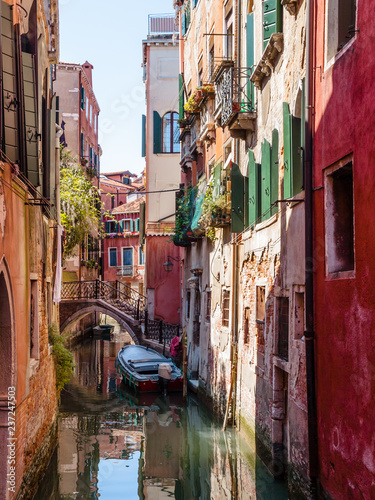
x=121 y=302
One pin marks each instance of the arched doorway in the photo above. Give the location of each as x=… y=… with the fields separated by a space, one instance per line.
x=6 y=373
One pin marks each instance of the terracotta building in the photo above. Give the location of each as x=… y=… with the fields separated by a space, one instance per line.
x=161 y=149
x=30 y=243
x=341 y=73
x=241 y=218
x=79 y=114
x=123 y=257
x=79 y=117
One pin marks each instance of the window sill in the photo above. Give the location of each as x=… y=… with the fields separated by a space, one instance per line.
x=281 y=363
x=267 y=63
x=343 y=275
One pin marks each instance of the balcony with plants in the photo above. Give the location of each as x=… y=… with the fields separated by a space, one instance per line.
x=234 y=100
x=183 y=235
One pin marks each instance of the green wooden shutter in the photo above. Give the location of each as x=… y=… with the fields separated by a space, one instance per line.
x=9 y=84
x=287 y=152
x=194 y=3
x=82 y=145
x=250 y=54
x=28 y=72
x=83 y=98
x=120 y=226
x=237 y=200
x=157 y=133
x=265 y=201
x=143 y=136
x=253 y=182
x=272 y=19
x=50 y=139
x=183 y=23
x=107 y=227
x=136 y=224
x=131 y=225
x=142 y=221
x=181 y=97
x=274 y=170
x=297 y=178
x=216 y=180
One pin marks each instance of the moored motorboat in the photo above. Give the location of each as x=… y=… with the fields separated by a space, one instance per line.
x=139 y=367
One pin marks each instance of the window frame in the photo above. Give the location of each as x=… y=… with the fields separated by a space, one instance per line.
x=329 y=223
x=109 y=257
x=225 y=298
x=174 y=146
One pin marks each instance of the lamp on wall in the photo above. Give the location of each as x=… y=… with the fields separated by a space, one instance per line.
x=168 y=266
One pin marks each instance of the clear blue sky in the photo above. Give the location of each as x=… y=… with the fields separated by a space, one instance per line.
x=109 y=35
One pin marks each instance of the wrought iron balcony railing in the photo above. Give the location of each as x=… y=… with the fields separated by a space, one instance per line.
x=125 y=271
x=233 y=93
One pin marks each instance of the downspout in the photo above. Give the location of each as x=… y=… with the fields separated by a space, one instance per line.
x=235 y=247
x=309 y=256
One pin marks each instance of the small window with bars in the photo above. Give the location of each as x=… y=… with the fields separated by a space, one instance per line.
x=225 y=307
x=261 y=303
x=283 y=327
x=208 y=306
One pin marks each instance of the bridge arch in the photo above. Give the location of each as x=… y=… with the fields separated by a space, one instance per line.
x=8 y=363
x=87 y=307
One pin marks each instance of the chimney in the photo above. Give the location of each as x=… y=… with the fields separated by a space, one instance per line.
x=87 y=67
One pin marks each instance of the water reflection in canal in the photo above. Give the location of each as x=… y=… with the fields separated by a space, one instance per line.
x=113 y=445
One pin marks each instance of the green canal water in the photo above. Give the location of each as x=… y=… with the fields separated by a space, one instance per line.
x=114 y=445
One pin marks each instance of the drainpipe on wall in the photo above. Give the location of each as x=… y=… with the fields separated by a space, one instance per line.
x=309 y=258
x=235 y=244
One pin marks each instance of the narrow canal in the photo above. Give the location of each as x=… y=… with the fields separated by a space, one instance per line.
x=113 y=445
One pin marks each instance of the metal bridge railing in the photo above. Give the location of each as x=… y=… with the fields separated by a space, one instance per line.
x=127 y=300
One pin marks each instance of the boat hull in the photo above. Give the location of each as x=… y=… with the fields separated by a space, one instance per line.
x=133 y=362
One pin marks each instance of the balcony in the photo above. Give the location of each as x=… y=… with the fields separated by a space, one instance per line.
x=234 y=102
x=125 y=271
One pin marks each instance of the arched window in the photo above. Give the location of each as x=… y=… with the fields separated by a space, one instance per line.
x=171 y=133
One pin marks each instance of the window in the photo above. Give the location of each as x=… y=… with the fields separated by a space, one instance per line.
x=299 y=315
x=112 y=257
x=34 y=320
x=125 y=180
x=208 y=306
x=282 y=349
x=188 y=296
x=127 y=256
x=211 y=62
x=141 y=257
x=87 y=108
x=260 y=303
x=340 y=25
x=83 y=98
x=339 y=218
x=225 y=307
x=111 y=226
x=127 y=225
x=113 y=203
x=228 y=47
x=171 y=133
x=246 y=321
x=82 y=145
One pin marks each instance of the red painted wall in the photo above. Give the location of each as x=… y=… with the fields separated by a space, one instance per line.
x=167 y=285
x=345 y=308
